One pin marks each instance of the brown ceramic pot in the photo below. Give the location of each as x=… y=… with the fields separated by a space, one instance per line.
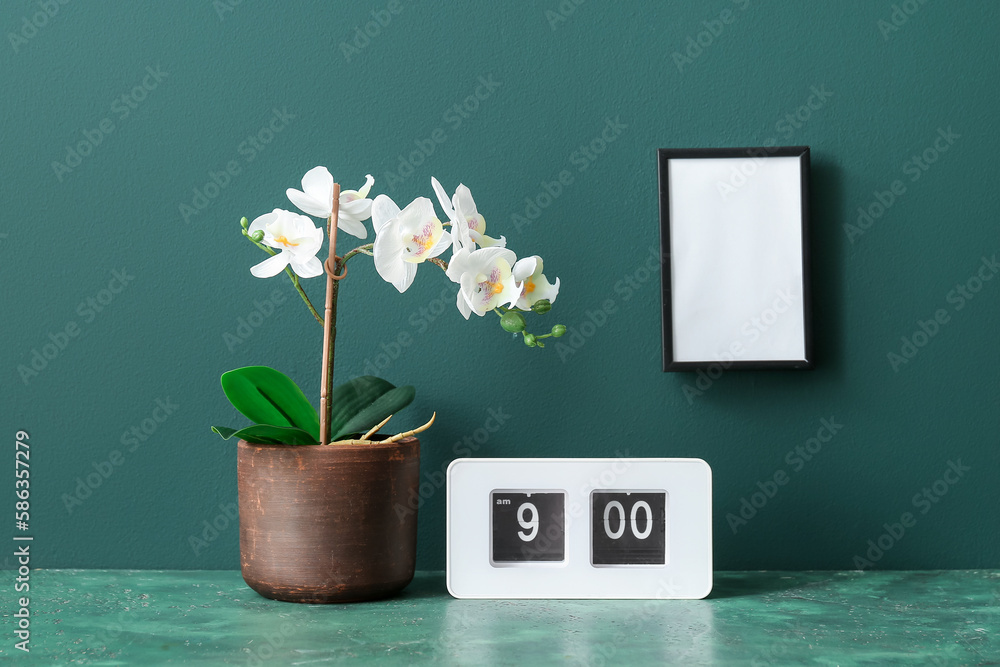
x=328 y=523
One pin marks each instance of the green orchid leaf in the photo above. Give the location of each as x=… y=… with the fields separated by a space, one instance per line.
x=387 y=404
x=354 y=396
x=266 y=396
x=283 y=415
x=225 y=431
x=262 y=434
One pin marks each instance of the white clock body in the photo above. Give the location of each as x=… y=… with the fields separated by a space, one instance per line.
x=579 y=528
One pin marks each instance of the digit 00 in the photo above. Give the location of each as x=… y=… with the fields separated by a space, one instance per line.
x=633 y=519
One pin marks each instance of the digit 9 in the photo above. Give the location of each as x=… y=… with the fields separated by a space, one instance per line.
x=532 y=525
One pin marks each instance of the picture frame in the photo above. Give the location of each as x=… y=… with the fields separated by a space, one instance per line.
x=734 y=235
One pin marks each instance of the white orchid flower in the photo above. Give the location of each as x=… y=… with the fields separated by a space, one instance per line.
x=485 y=278
x=534 y=285
x=295 y=236
x=459 y=229
x=316 y=198
x=468 y=226
x=404 y=239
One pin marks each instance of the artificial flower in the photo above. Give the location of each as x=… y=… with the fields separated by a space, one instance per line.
x=405 y=238
x=468 y=226
x=534 y=285
x=485 y=279
x=295 y=236
x=316 y=198
x=459 y=228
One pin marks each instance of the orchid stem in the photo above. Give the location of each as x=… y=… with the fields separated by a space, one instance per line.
x=294 y=278
x=302 y=293
x=440 y=262
x=334 y=273
x=366 y=249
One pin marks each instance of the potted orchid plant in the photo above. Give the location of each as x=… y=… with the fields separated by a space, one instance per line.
x=320 y=493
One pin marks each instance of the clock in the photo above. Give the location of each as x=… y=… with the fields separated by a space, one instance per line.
x=579 y=528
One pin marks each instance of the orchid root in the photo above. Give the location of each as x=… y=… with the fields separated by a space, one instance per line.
x=396 y=438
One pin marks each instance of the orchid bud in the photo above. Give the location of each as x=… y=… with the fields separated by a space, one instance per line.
x=244 y=223
x=529 y=340
x=512 y=321
x=257 y=236
x=558 y=330
x=542 y=306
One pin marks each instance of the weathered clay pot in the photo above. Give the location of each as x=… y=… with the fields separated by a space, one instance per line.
x=328 y=523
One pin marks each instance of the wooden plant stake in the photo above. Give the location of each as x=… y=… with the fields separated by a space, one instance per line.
x=332 y=266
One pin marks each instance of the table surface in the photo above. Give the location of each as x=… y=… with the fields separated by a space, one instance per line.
x=128 y=617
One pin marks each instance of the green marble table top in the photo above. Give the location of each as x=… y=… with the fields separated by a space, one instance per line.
x=124 y=617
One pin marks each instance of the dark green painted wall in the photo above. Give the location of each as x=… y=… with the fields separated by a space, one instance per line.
x=887 y=92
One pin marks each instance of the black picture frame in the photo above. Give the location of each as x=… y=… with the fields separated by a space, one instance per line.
x=674 y=295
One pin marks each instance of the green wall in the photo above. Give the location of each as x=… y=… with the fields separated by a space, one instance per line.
x=886 y=91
